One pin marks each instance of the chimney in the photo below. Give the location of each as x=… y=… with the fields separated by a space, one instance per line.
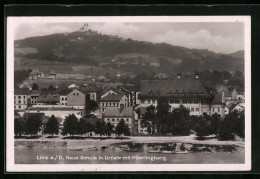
x=196 y=75
x=179 y=76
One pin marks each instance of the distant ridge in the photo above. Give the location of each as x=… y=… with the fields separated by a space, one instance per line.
x=238 y=54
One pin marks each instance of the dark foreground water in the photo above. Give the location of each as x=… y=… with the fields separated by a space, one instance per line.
x=61 y=156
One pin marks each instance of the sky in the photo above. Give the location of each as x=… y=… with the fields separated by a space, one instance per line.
x=220 y=37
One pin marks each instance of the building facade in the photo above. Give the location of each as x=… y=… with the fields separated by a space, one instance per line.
x=113 y=101
x=22 y=98
x=114 y=115
x=186 y=91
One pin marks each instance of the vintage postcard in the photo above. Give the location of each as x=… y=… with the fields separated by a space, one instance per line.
x=132 y=93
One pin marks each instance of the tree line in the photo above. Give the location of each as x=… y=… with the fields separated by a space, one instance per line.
x=71 y=126
x=159 y=120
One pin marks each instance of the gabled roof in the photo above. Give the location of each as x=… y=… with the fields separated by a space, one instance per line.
x=112 y=97
x=113 y=112
x=217 y=99
x=88 y=89
x=35 y=72
x=109 y=89
x=21 y=91
x=188 y=86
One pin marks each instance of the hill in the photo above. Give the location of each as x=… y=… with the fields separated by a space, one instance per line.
x=125 y=55
x=238 y=54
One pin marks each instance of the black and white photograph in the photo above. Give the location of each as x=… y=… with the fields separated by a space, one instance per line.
x=132 y=93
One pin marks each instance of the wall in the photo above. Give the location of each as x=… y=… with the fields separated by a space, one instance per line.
x=21 y=101
x=76 y=98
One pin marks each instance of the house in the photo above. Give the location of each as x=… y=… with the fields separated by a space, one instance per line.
x=35 y=74
x=64 y=95
x=52 y=75
x=161 y=76
x=48 y=98
x=34 y=96
x=238 y=94
x=91 y=90
x=72 y=86
x=218 y=105
x=236 y=107
x=22 y=98
x=77 y=98
x=187 y=91
x=113 y=101
x=114 y=115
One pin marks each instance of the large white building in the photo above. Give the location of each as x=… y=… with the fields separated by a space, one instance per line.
x=186 y=91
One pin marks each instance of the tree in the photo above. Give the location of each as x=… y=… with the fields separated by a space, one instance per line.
x=109 y=129
x=71 y=125
x=162 y=115
x=35 y=86
x=215 y=122
x=203 y=127
x=93 y=105
x=52 y=126
x=233 y=123
x=180 y=123
x=51 y=88
x=18 y=127
x=100 y=128
x=149 y=119
x=85 y=126
x=33 y=124
x=122 y=128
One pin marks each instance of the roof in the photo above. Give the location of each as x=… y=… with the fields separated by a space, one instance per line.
x=65 y=91
x=109 y=89
x=52 y=109
x=49 y=98
x=188 y=86
x=21 y=91
x=35 y=72
x=35 y=92
x=88 y=89
x=239 y=90
x=27 y=115
x=231 y=106
x=112 y=97
x=217 y=99
x=125 y=112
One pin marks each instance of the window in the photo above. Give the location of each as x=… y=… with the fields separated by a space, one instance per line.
x=62 y=99
x=107 y=119
x=65 y=103
x=14 y=97
x=19 y=102
x=23 y=97
x=196 y=101
x=66 y=98
x=218 y=109
x=14 y=107
x=113 y=120
x=19 y=107
x=127 y=120
x=93 y=96
x=73 y=94
x=61 y=103
x=176 y=101
x=19 y=97
x=192 y=109
x=171 y=101
x=190 y=101
x=184 y=101
x=77 y=94
x=197 y=109
x=109 y=104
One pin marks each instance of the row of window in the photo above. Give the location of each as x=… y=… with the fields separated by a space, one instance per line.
x=113 y=120
x=65 y=98
x=19 y=107
x=63 y=103
x=19 y=97
x=74 y=94
x=19 y=102
x=216 y=109
x=110 y=104
x=174 y=101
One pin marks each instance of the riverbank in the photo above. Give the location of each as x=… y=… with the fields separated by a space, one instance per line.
x=148 y=143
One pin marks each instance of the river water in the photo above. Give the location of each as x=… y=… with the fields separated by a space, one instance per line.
x=61 y=156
